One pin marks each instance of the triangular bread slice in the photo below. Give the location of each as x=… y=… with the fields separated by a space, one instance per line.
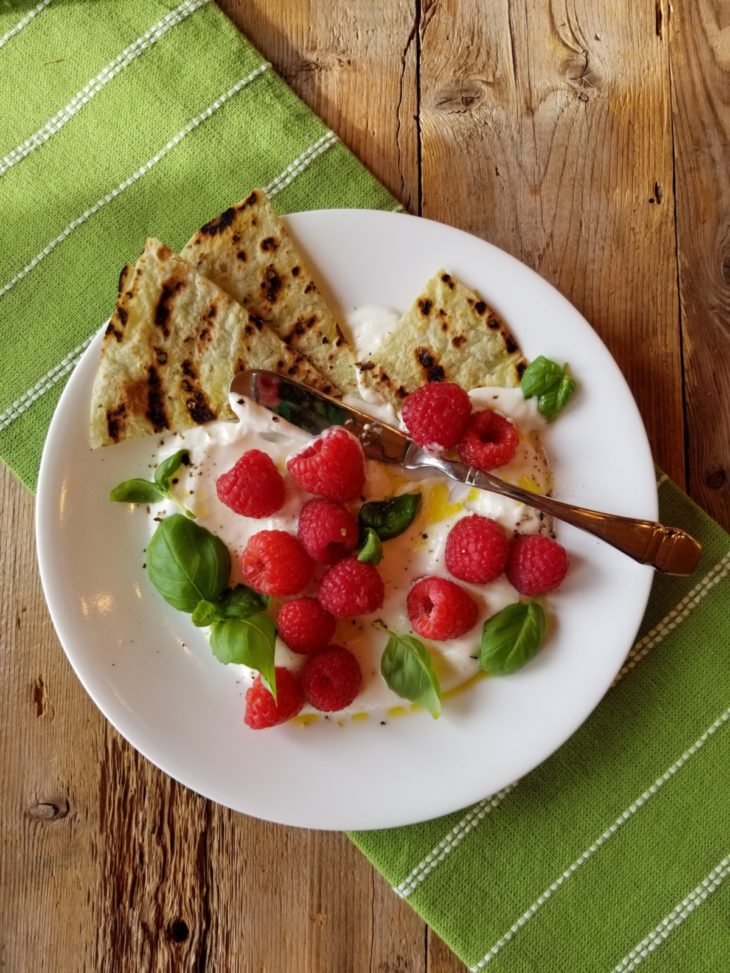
x=248 y=252
x=171 y=349
x=449 y=335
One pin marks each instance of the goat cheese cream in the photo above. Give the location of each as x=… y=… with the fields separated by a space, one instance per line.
x=419 y=551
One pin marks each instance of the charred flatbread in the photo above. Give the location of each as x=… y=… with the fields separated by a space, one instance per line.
x=248 y=252
x=172 y=346
x=450 y=334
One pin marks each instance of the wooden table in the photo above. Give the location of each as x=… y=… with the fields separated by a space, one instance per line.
x=590 y=140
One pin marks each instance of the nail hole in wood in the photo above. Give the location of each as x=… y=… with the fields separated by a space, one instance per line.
x=178 y=930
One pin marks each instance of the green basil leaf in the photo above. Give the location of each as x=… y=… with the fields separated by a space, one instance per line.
x=169 y=467
x=186 y=563
x=371 y=550
x=240 y=602
x=540 y=376
x=136 y=491
x=511 y=638
x=389 y=518
x=551 y=403
x=204 y=613
x=408 y=670
x=249 y=642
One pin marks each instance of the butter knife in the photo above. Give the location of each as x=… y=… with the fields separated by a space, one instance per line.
x=667 y=549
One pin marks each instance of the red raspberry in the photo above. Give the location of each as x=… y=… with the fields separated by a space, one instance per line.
x=351 y=587
x=476 y=550
x=261 y=710
x=439 y=609
x=304 y=625
x=253 y=487
x=490 y=440
x=328 y=530
x=436 y=414
x=331 y=679
x=275 y=563
x=332 y=466
x=536 y=564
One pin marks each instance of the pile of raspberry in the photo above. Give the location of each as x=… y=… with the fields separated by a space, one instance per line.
x=317 y=569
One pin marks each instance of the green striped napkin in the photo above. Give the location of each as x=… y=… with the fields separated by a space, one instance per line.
x=123 y=118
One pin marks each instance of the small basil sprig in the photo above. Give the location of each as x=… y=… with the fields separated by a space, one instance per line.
x=137 y=490
x=372 y=549
x=408 y=670
x=186 y=563
x=247 y=641
x=238 y=602
x=389 y=518
x=552 y=385
x=511 y=638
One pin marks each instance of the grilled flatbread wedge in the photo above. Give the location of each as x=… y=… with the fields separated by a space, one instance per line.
x=171 y=348
x=449 y=335
x=247 y=251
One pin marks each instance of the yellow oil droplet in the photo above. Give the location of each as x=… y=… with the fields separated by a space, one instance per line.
x=396 y=711
x=530 y=483
x=416 y=707
x=438 y=506
x=360 y=717
x=473 y=495
x=306 y=719
x=463 y=686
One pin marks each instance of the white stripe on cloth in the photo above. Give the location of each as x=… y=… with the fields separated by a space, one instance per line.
x=130 y=180
x=709 y=884
x=93 y=87
x=600 y=841
x=55 y=374
x=675 y=617
x=8 y=35
x=450 y=841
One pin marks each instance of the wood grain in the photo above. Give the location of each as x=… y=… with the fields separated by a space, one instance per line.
x=559 y=131
x=700 y=71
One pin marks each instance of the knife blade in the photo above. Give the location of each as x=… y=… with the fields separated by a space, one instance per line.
x=667 y=549
x=314 y=412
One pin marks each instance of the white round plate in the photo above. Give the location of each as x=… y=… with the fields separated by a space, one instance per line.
x=153 y=675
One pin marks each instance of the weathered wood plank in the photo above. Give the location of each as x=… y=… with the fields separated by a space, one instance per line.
x=699 y=38
x=546 y=129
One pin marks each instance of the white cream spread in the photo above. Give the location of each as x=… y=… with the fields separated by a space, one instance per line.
x=215 y=447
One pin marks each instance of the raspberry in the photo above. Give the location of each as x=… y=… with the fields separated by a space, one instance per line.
x=253 y=487
x=536 y=564
x=275 y=563
x=439 y=609
x=304 y=625
x=328 y=530
x=476 y=550
x=332 y=466
x=436 y=414
x=490 y=440
x=351 y=587
x=261 y=710
x=331 y=679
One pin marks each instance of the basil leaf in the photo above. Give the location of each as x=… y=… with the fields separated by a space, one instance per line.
x=540 y=376
x=552 y=402
x=136 y=491
x=240 y=602
x=371 y=550
x=186 y=563
x=407 y=669
x=169 y=467
x=511 y=638
x=249 y=642
x=204 y=613
x=389 y=518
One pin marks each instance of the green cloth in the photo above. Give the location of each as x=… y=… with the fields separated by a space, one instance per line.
x=122 y=118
